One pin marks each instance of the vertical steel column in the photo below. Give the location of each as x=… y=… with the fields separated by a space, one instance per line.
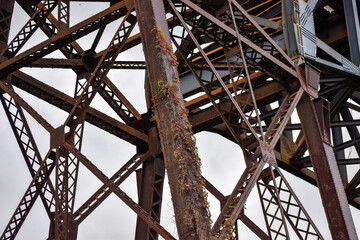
x=353 y=29
x=327 y=174
x=150 y=179
x=288 y=26
x=150 y=187
x=179 y=149
x=62 y=214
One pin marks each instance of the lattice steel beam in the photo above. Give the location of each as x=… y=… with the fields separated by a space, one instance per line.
x=62 y=38
x=127 y=200
x=41 y=12
x=66 y=103
x=100 y=195
x=21 y=212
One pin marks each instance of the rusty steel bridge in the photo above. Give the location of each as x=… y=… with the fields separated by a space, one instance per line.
x=280 y=79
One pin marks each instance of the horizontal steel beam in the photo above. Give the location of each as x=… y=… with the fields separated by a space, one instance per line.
x=65 y=102
x=72 y=63
x=305 y=162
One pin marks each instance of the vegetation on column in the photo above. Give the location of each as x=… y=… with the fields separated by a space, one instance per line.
x=186 y=165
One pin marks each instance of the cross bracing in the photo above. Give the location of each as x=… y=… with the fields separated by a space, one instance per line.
x=277 y=78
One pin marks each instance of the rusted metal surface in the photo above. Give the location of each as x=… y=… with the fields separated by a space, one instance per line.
x=92 y=85
x=72 y=63
x=150 y=187
x=255 y=160
x=100 y=195
x=66 y=103
x=41 y=185
x=279 y=201
x=114 y=12
x=6 y=10
x=238 y=82
x=180 y=154
x=328 y=177
x=237 y=199
x=41 y=11
x=6 y=87
x=272 y=209
x=64 y=12
x=126 y=199
x=29 y=198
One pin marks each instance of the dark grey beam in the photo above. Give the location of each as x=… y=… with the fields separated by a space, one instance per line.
x=354 y=183
x=352 y=106
x=340 y=98
x=338 y=139
x=353 y=29
x=289 y=33
x=352 y=130
x=305 y=162
x=297 y=126
x=346 y=144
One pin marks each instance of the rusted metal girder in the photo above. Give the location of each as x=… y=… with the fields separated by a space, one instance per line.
x=66 y=164
x=73 y=63
x=23 y=209
x=51 y=27
x=258 y=151
x=66 y=103
x=315 y=126
x=353 y=29
x=6 y=87
x=234 y=49
x=41 y=185
x=181 y=159
x=116 y=190
x=108 y=90
x=63 y=227
x=91 y=86
x=277 y=196
x=352 y=187
x=62 y=38
x=41 y=12
x=6 y=11
x=150 y=180
x=103 y=192
x=64 y=12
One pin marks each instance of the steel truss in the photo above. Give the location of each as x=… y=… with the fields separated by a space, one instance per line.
x=246 y=66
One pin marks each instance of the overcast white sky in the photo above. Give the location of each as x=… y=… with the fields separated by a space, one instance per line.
x=222 y=160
